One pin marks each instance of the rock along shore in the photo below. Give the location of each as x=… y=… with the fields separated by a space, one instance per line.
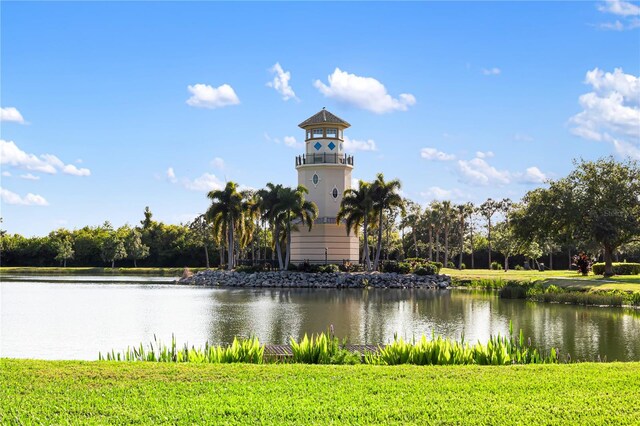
x=316 y=280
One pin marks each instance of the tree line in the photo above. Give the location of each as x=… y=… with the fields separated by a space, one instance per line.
x=595 y=210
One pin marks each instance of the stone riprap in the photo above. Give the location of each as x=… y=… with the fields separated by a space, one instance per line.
x=316 y=280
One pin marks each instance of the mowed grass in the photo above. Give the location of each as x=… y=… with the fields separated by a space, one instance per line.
x=45 y=270
x=74 y=392
x=565 y=279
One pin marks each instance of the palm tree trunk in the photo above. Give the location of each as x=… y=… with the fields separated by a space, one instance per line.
x=471 y=241
x=113 y=263
x=489 y=241
x=446 y=246
x=230 y=265
x=277 y=243
x=379 y=244
x=415 y=241
x=288 y=256
x=135 y=263
x=206 y=254
x=461 y=242
x=430 y=244
x=367 y=261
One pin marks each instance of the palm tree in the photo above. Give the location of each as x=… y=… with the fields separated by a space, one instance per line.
x=505 y=206
x=411 y=220
x=487 y=210
x=227 y=208
x=464 y=210
x=291 y=206
x=433 y=219
x=385 y=196
x=356 y=209
x=446 y=213
x=268 y=201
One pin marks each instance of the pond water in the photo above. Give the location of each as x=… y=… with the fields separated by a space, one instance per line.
x=51 y=318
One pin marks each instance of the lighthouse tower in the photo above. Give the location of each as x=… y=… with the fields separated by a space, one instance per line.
x=325 y=170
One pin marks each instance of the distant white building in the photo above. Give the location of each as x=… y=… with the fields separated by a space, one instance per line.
x=325 y=170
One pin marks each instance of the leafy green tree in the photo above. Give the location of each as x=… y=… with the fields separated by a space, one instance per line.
x=292 y=205
x=385 y=197
x=202 y=233
x=113 y=249
x=147 y=222
x=135 y=248
x=64 y=251
x=357 y=210
x=596 y=204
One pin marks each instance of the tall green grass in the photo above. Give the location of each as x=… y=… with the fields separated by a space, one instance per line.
x=241 y=350
x=323 y=348
x=441 y=351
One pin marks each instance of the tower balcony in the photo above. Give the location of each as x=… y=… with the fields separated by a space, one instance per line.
x=324 y=158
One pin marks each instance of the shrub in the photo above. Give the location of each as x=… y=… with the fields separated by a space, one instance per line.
x=496 y=266
x=513 y=291
x=292 y=267
x=519 y=268
x=427 y=269
x=635 y=298
x=463 y=266
x=397 y=267
x=247 y=269
x=451 y=265
x=619 y=268
x=327 y=269
x=438 y=265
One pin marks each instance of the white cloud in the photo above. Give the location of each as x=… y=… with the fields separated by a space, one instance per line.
x=28 y=200
x=280 y=82
x=171 y=175
x=479 y=172
x=218 y=163
x=627 y=11
x=205 y=182
x=485 y=154
x=434 y=154
x=611 y=111
x=353 y=145
x=438 y=193
x=12 y=155
x=6 y=174
x=533 y=175
x=491 y=71
x=205 y=96
x=11 y=114
x=355 y=183
x=620 y=8
x=29 y=176
x=70 y=169
x=363 y=92
x=289 y=141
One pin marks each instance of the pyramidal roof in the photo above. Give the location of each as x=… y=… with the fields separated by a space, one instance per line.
x=323 y=117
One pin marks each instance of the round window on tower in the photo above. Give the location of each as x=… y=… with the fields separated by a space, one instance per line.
x=315 y=179
x=334 y=193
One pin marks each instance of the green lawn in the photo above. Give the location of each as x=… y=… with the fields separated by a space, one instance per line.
x=35 y=270
x=72 y=392
x=565 y=279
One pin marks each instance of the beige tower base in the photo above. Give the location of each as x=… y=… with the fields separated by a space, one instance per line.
x=310 y=245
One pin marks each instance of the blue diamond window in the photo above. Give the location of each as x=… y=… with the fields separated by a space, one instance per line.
x=317 y=146
x=331 y=145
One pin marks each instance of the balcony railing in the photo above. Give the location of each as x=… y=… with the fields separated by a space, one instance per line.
x=324 y=158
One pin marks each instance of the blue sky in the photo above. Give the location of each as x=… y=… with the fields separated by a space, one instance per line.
x=110 y=107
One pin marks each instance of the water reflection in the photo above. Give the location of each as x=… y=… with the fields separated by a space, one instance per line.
x=75 y=321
